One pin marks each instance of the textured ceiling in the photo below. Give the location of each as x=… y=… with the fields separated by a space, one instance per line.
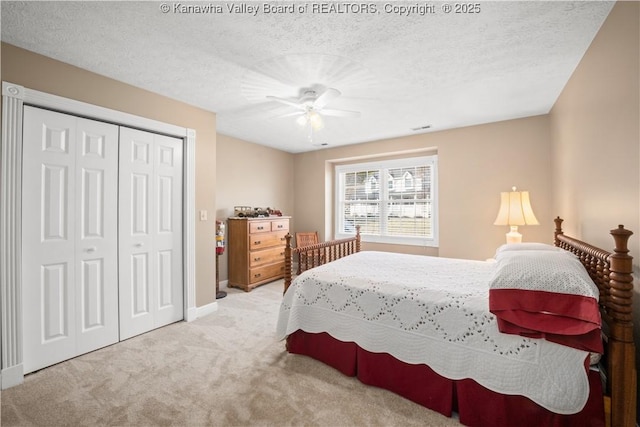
x=400 y=71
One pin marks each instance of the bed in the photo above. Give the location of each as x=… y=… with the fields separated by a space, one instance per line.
x=463 y=339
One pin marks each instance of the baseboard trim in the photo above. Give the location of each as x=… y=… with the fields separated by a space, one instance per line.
x=205 y=310
x=191 y=314
x=12 y=376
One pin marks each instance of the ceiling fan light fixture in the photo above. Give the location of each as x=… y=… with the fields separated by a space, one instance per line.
x=316 y=120
x=311 y=118
x=311 y=107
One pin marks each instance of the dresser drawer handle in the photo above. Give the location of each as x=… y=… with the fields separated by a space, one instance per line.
x=280 y=225
x=257 y=242
x=257 y=259
x=257 y=275
x=260 y=227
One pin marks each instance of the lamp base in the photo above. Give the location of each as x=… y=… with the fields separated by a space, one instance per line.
x=513 y=236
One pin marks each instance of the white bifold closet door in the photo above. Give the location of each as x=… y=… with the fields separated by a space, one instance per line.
x=101 y=235
x=70 y=253
x=150 y=259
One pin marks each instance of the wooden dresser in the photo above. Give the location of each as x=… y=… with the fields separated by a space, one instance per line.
x=256 y=250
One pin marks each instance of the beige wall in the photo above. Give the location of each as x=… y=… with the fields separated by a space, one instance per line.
x=595 y=129
x=474 y=165
x=595 y=126
x=251 y=175
x=47 y=75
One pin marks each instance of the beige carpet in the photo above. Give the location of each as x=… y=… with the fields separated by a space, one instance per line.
x=225 y=369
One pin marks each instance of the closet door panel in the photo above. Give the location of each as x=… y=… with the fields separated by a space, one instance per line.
x=151 y=288
x=55 y=302
x=97 y=243
x=168 y=235
x=48 y=238
x=69 y=231
x=54 y=195
x=136 y=240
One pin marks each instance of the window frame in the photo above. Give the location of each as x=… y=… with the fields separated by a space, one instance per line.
x=383 y=166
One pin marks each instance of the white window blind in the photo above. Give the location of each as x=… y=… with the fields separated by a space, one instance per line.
x=392 y=201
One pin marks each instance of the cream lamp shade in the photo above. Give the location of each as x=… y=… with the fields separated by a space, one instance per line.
x=515 y=210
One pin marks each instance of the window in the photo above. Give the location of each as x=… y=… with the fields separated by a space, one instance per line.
x=403 y=212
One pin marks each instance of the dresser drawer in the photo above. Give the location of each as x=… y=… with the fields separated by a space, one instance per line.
x=263 y=273
x=259 y=226
x=266 y=240
x=266 y=256
x=280 y=225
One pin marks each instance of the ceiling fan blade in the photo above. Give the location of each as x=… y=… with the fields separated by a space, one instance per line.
x=324 y=98
x=295 y=113
x=287 y=102
x=340 y=113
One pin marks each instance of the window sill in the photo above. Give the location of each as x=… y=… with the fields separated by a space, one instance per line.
x=394 y=240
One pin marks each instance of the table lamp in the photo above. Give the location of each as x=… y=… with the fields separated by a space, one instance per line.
x=515 y=210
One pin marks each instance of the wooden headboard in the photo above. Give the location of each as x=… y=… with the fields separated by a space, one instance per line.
x=612 y=272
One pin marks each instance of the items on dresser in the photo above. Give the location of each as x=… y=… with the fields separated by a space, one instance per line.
x=249 y=212
x=256 y=250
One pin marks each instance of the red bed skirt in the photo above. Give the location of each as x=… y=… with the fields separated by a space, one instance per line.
x=475 y=405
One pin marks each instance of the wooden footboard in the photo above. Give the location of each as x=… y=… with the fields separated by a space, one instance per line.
x=314 y=255
x=612 y=272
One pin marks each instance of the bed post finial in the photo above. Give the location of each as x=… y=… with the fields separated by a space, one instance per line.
x=558 y=231
x=621 y=236
x=620 y=278
x=287 y=262
x=357 y=238
x=621 y=345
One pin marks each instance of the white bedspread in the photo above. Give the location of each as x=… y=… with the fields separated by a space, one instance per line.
x=434 y=311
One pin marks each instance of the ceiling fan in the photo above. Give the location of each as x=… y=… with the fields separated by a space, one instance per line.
x=311 y=107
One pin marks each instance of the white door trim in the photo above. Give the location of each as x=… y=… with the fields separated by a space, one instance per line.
x=13 y=98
